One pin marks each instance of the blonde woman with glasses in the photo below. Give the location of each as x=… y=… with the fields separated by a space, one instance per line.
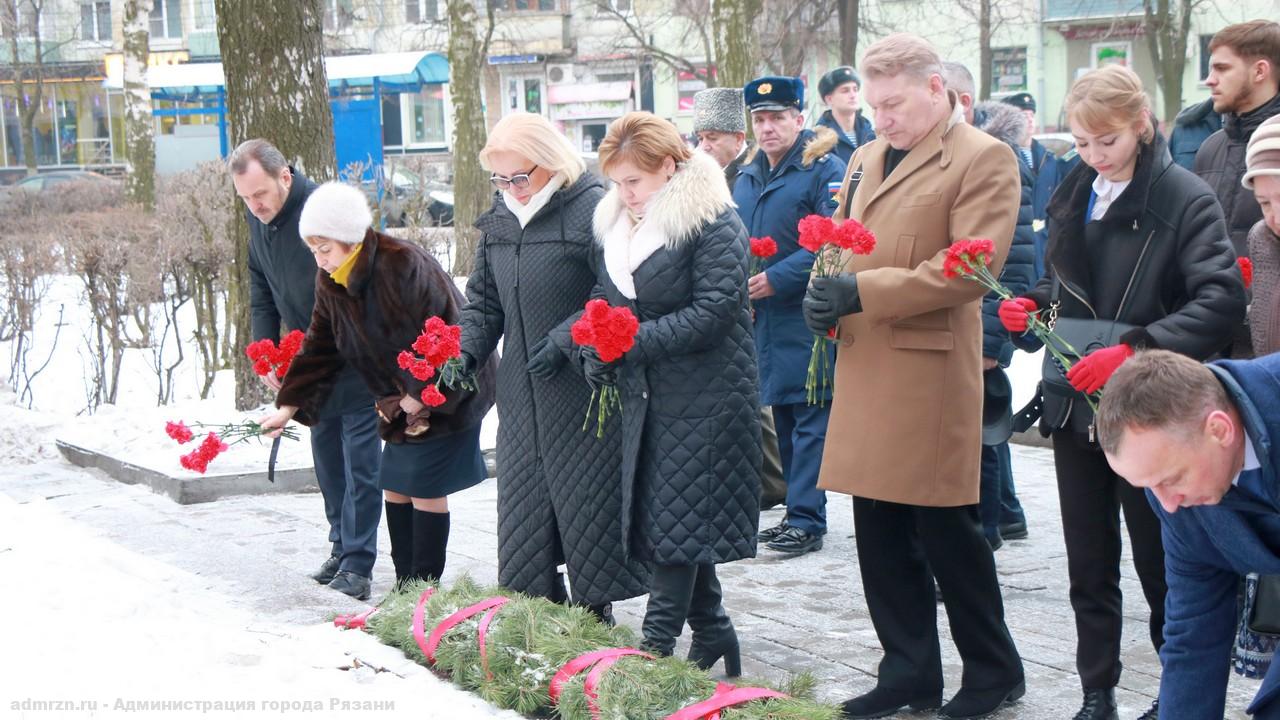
x=558 y=488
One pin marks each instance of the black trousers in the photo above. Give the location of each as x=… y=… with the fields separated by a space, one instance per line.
x=898 y=546
x=1092 y=495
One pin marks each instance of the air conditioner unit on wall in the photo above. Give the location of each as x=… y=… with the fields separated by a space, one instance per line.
x=559 y=74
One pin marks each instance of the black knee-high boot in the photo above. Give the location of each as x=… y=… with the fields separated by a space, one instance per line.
x=670 y=591
x=430 y=541
x=400 y=528
x=713 y=633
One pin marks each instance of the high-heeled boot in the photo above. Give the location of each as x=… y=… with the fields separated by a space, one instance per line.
x=400 y=529
x=430 y=541
x=713 y=634
x=670 y=589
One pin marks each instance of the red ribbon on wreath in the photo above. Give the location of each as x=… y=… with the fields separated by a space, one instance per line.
x=599 y=661
x=429 y=645
x=726 y=695
x=354 y=622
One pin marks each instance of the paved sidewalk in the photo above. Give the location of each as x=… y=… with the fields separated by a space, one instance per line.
x=802 y=614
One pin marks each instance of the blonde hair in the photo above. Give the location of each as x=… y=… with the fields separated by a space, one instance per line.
x=901 y=53
x=645 y=140
x=1108 y=99
x=536 y=139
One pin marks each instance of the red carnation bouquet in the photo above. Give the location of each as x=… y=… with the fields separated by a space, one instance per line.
x=761 y=249
x=970 y=258
x=1246 y=271
x=437 y=353
x=268 y=358
x=612 y=332
x=215 y=442
x=821 y=236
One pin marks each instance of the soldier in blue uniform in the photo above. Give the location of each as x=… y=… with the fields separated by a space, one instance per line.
x=839 y=91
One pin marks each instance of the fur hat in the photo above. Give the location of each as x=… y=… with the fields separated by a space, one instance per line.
x=1262 y=156
x=336 y=211
x=720 y=109
x=836 y=78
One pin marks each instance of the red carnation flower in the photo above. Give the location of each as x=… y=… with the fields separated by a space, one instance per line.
x=965 y=255
x=1246 y=270
x=179 y=431
x=262 y=366
x=432 y=397
x=815 y=231
x=422 y=370
x=853 y=236
x=582 y=332
x=404 y=360
x=764 y=247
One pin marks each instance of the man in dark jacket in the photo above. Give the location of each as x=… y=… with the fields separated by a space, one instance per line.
x=839 y=90
x=1203 y=442
x=998 y=505
x=720 y=124
x=344 y=443
x=792 y=175
x=1191 y=128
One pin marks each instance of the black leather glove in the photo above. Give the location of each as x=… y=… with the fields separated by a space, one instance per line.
x=468 y=365
x=545 y=359
x=828 y=299
x=597 y=372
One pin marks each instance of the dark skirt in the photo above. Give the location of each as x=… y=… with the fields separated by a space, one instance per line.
x=434 y=468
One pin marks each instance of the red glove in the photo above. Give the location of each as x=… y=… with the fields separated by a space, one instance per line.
x=1094 y=370
x=1013 y=313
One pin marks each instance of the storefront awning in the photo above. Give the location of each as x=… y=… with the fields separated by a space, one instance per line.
x=396 y=72
x=590 y=92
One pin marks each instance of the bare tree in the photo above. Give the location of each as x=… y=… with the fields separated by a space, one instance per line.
x=140 y=147
x=789 y=30
x=1168 y=26
x=639 y=26
x=21 y=22
x=273 y=59
x=468 y=46
x=848 y=12
x=736 y=49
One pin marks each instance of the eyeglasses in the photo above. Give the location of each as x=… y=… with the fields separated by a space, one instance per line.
x=519 y=181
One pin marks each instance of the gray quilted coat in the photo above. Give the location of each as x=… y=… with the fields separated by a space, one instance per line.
x=559 y=498
x=690 y=420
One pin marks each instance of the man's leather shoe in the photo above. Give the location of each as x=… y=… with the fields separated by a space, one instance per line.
x=771 y=534
x=327 y=570
x=349 y=583
x=981 y=703
x=1099 y=704
x=795 y=541
x=1014 y=530
x=883 y=702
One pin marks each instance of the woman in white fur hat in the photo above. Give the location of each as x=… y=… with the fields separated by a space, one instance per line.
x=373 y=293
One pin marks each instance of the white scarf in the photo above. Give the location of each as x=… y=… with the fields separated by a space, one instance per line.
x=627 y=245
x=524 y=213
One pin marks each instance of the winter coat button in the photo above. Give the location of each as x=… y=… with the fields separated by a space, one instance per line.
x=645 y=394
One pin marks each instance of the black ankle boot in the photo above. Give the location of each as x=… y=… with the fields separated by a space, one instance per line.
x=713 y=633
x=603 y=613
x=1099 y=704
x=883 y=702
x=400 y=529
x=670 y=589
x=430 y=541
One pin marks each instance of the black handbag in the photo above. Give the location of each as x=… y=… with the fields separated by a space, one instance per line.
x=1264 y=613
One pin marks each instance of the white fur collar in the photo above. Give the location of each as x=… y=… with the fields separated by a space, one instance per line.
x=694 y=196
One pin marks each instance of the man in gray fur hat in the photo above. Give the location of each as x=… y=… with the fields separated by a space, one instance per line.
x=720 y=124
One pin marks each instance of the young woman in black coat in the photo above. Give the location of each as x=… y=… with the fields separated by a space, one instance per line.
x=373 y=293
x=672 y=249
x=1135 y=238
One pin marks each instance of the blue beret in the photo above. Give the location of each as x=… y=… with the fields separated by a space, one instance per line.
x=774 y=93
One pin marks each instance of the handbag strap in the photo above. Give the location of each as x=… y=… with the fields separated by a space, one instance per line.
x=855 y=179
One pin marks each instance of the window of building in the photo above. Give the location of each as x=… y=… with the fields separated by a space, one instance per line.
x=1204 y=56
x=421 y=11
x=24 y=22
x=618 y=6
x=524 y=93
x=1008 y=69
x=166 y=19
x=414 y=120
x=95 y=20
x=338 y=15
x=203 y=15
x=525 y=5
x=689 y=83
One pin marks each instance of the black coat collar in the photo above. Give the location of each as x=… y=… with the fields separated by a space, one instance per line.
x=1071 y=199
x=1241 y=127
x=293 y=201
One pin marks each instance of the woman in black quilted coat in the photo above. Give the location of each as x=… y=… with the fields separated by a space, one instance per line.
x=559 y=498
x=673 y=250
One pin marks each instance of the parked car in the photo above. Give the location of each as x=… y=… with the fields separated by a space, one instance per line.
x=45 y=180
x=405 y=199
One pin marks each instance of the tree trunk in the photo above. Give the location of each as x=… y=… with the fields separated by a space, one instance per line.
x=471 y=190
x=984 y=49
x=28 y=73
x=273 y=59
x=733 y=24
x=848 y=11
x=139 y=141
x=1167 y=41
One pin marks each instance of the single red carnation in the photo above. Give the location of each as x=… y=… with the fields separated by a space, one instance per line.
x=262 y=366
x=582 y=332
x=597 y=311
x=764 y=247
x=404 y=360
x=179 y=431
x=1246 y=270
x=432 y=397
x=853 y=236
x=967 y=255
x=260 y=349
x=815 y=231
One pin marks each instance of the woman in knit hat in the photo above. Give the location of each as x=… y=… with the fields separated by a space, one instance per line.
x=373 y=293
x=1262 y=176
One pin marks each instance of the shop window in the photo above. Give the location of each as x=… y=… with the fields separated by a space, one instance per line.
x=166 y=19
x=421 y=11
x=95 y=20
x=1008 y=69
x=525 y=5
x=689 y=83
x=425 y=111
